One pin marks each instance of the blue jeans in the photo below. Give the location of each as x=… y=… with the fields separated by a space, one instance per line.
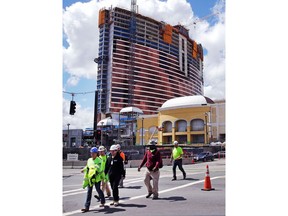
x=89 y=194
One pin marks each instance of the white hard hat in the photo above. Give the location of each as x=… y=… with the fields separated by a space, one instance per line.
x=101 y=148
x=118 y=146
x=175 y=142
x=113 y=148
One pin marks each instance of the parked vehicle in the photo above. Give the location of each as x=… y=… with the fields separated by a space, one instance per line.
x=190 y=152
x=204 y=156
x=221 y=153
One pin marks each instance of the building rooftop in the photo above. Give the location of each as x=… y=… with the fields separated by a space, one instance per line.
x=186 y=101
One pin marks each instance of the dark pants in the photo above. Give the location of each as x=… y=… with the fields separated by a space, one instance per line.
x=179 y=164
x=114 y=182
x=89 y=194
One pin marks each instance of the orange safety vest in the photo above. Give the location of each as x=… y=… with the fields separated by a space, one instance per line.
x=122 y=155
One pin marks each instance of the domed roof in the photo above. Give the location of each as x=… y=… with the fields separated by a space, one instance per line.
x=186 y=101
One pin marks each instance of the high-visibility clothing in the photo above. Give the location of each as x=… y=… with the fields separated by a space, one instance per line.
x=92 y=172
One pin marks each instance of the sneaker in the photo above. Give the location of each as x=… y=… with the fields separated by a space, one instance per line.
x=149 y=194
x=112 y=203
x=174 y=179
x=107 y=196
x=85 y=210
x=155 y=198
x=116 y=203
x=97 y=197
x=102 y=205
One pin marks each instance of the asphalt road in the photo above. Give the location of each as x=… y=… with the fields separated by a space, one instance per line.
x=180 y=198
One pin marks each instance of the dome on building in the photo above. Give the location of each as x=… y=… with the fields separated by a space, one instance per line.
x=187 y=101
x=131 y=109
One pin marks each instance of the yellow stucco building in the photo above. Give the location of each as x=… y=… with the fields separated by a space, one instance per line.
x=189 y=120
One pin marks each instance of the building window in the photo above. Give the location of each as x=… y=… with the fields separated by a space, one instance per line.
x=199 y=138
x=197 y=125
x=181 y=126
x=167 y=127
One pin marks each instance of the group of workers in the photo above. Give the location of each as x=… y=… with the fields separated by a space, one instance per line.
x=101 y=169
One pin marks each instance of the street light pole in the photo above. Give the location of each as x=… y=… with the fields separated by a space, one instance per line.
x=68 y=138
x=95 y=116
x=142 y=131
x=102 y=132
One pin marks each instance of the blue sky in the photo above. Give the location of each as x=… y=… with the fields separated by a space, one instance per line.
x=200 y=7
x=78 y=24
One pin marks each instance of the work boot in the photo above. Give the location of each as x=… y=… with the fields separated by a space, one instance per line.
x=85 y=210
x=97 y=197
x=149 y=194
x=184 y=176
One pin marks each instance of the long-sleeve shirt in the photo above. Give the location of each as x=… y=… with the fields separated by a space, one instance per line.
x=151 y=159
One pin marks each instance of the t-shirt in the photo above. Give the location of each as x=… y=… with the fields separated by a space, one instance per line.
x=177 y=152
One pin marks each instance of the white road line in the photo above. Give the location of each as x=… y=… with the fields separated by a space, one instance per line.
x=81 y=190
x=141 y=196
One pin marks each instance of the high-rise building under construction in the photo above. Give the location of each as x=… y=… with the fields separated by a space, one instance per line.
x=143 y=62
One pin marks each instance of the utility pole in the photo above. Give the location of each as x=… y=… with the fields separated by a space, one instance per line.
x=95 y=116
x=142 y=131
x=68 y=138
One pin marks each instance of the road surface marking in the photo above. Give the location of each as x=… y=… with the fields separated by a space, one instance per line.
x=142 y=196
x=81 y=190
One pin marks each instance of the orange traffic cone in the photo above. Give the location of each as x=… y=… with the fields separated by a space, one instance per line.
x=193 y=160
x=207 y=182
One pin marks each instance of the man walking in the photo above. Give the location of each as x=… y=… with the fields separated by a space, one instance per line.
x=123 y=156
x=115 y=170
x=93 y=172
x=153 y=161
x=176 y=156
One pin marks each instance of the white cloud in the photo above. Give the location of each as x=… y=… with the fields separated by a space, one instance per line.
x=80 y=25
x=83 y=118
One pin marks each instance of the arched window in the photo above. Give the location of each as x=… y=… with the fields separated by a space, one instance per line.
x=197 y=125
x=181 y=126
x=167 y=127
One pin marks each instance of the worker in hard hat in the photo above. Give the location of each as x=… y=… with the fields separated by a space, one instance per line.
x=93 y=174
x=115 y=170
x=105 y=179
x=176 y=157
x=153 y=161
x=123 y=156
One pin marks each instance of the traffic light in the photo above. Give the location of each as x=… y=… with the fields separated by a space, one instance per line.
x=98 y=135
x=72 y=107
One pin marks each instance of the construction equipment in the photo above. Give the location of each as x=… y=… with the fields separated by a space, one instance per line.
x=201 y=19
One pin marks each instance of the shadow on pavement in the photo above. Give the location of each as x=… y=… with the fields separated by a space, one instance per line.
x=133 y=187
x=192 y=179
x=132 y=205
x=173 y=198
x=108 y=210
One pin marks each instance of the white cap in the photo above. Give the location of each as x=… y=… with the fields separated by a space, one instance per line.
x=101 y=148
x=113 y=148
x=118 y=146
x=175 y=142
